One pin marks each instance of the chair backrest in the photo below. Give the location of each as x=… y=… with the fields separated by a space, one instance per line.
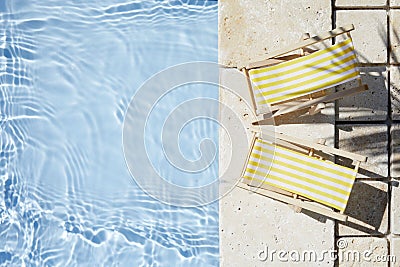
x=320 y=70
x=316 y=179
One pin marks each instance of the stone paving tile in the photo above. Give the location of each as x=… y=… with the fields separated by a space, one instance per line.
x=395 y=251
x=369 y=105
x=367 y=209
x=394 y=3
x=394 y=18
x=251 y=223
x=362 y=251
x=358 y=3
x=395 y=91
x=248 y=29
x=370 y=141
x=395 y=208
x=370 y=34
x=395 y=147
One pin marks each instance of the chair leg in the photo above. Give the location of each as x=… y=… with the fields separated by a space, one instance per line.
x=316 y=109
x=299 y=203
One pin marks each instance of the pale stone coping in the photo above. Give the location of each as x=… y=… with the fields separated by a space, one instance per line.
x=362 y=251
x=394 y=20
x=370 y=34
x=249 y=29
x=369 y=105
x=370 y=141
x=367 y=209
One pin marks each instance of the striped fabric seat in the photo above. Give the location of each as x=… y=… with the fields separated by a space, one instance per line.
x=320 y=70
x=316 y=179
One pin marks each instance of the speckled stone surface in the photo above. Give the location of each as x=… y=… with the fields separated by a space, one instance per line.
x=394 y=3
x=248 y=29
x=395 y=209
x=369 y=105
x=395 y=91
x=370 y=35
x=395 y=159
x=370 y=141
x=394 y=19
x=357 y=3
x=367 y=209
x=395 y=251
x=362 y=251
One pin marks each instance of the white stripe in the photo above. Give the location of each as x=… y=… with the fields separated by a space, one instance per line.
x=299 y=173
x=326 y=165
x=287 y=73
x=262 y=98
x=286 y=92
x=280 y=161
x=314 y=186
x=321 y=72
x=300 y=190
x=302 y=63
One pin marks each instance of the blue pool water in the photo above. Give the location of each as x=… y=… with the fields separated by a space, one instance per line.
x=68 y=70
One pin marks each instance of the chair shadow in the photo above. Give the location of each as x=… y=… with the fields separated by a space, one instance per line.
x=366 y=209
x=367 y=206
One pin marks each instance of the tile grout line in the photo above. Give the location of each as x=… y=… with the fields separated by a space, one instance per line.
x=388 y=122
x=389 y=119
x=335 y=136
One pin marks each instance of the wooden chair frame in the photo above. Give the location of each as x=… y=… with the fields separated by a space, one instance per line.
x=310 y=148
x=314 y=102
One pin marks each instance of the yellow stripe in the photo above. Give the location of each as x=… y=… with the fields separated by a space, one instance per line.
x=331 y=179
x=315 y=79
x=302 y=59
x=301 y=178
x=298 y=185
x=302 y=66
x=273 y=149
x=311 y=164
x=312 y=70
x=305 y=91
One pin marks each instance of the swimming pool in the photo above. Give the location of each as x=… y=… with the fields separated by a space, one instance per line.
x=68 y=71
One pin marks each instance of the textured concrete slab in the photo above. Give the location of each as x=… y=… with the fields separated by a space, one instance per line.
x=362 y=251
x=395 y=91
x=370 y=36
x=370 y=141
x=251 y=224
x=395 y=251
x=394 y=3
x=395 y=208
x=248 y=29
x=394 y=18
x=395 y=147
x=358 y=3
x=369 y=105
x=367 y=209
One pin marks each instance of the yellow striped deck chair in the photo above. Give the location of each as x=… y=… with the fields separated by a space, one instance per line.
x=274 y=82
x=273 y=166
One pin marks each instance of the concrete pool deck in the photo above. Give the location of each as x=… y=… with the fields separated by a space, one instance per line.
x=368 y=124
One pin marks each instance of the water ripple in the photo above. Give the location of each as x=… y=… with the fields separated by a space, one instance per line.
x=67 y=72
